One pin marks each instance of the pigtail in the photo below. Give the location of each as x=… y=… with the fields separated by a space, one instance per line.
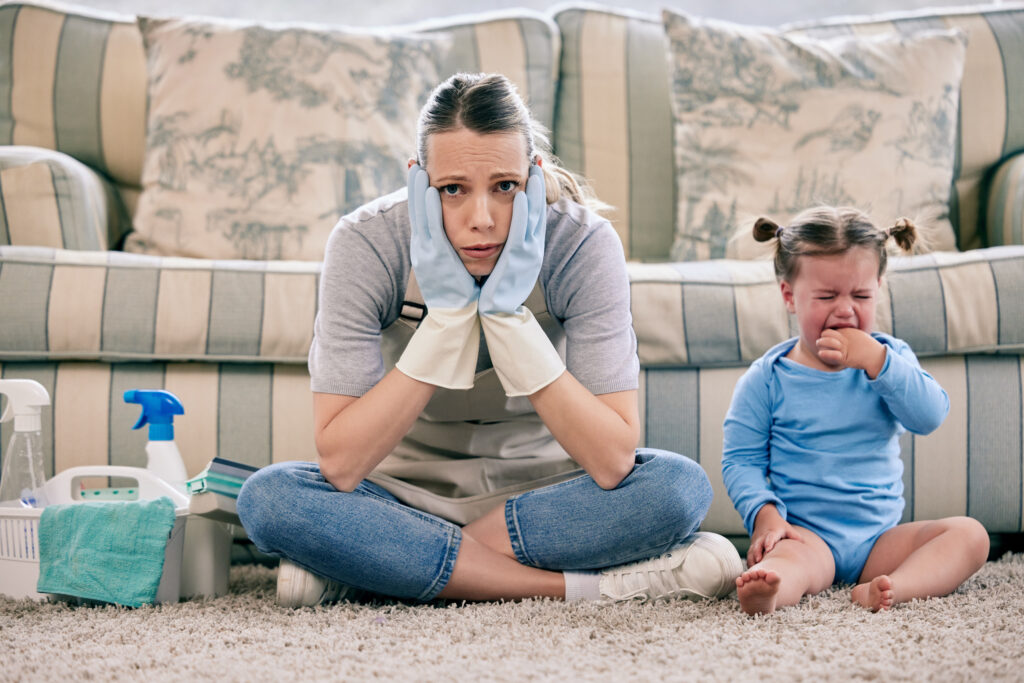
x=904 y=233
x=765 y=229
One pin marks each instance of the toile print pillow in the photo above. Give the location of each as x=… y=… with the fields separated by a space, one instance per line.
x=768 y=125
x=259 y=138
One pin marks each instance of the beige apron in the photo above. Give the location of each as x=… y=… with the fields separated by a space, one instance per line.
x=470 y=450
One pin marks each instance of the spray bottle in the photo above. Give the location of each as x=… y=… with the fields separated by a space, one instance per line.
x=21 y=482
x=162 y=456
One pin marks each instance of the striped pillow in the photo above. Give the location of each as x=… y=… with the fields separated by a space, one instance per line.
x=75 y=82
x=1004 y=220
x=614 y=123
x=49 y=199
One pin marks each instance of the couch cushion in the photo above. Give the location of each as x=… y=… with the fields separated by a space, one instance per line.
x=49 y=199
x=727 y=312
x=75 y=82
x=767 y=125
x=614 y=123
x=260 y=138
x=622 y=143
x=991 y=122
x=113 y=306
x=1004 y=217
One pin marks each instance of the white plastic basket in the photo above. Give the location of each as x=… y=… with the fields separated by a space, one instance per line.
x=19 y=530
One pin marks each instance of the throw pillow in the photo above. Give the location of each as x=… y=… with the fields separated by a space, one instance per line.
x=768 y=125
x=259 y=138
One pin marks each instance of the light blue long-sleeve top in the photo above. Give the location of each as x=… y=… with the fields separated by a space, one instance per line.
x=824 y=446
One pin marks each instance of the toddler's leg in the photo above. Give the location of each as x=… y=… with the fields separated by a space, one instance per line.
x=791 y=570
x=921 y=560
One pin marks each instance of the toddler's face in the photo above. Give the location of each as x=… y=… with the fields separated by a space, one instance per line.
x=833 y=292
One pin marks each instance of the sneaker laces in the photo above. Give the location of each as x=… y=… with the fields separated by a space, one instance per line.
x=655 y=578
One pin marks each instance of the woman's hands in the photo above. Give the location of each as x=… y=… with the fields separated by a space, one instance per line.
x=444 y=349
x=522 y=355
x=443 y=279
x=852 y=348
x=769 y=529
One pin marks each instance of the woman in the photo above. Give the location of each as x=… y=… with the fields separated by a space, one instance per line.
x=459 y=469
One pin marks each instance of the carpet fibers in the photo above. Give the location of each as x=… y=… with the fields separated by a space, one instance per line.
x=975 y=634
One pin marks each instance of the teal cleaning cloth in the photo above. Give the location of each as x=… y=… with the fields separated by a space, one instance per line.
x=112 y=552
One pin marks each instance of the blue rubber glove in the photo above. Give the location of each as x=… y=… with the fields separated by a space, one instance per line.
x=442 y=277
x=523 y=357
x=443 y=350
x=516 y=271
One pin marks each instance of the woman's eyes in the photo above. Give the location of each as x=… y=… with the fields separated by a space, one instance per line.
x=504 y=187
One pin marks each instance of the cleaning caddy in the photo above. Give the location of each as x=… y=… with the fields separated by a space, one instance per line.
x=132 y=544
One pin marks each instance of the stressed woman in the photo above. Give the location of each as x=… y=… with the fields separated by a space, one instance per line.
x=475 y=379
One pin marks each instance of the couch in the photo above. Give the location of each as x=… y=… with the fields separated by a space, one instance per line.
x=92 y=303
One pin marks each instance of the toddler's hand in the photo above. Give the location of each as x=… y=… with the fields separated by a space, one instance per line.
x=851 y=348
x=769 y=529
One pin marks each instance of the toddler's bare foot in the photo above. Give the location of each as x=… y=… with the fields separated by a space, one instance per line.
x=757 y=590
x=876 y=595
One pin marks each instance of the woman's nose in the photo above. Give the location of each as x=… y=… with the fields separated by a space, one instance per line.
x=480 y=217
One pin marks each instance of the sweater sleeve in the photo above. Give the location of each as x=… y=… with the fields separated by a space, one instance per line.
x=911 y=394
x=746 y=446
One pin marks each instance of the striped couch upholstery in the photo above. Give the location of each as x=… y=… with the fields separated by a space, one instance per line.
x=615 y=122
x=75 y=81
x=230 y=337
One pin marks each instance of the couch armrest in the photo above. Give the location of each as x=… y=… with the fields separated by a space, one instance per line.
x=50 y=199
x=57 y=304
x=1004 y=214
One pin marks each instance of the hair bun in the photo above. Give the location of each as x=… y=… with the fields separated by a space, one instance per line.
x=766 y=229
x=904 y=232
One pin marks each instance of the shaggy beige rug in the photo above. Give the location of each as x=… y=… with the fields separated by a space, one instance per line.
x=975 y=634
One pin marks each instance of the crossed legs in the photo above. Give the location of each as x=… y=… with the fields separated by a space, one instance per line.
x=486 y=568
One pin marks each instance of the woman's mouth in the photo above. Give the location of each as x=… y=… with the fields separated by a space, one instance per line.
x=481 y=251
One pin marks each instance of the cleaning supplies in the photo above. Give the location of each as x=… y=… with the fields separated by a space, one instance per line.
x=207 y=548
x=162 y=456
x=23 y=475
x=113 y=552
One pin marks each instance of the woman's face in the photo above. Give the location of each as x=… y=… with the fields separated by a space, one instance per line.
x=477 y=176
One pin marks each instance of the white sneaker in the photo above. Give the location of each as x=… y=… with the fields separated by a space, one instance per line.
x=297 y=587
x=705 y=566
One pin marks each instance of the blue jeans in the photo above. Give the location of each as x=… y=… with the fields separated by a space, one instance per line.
x=369 y=540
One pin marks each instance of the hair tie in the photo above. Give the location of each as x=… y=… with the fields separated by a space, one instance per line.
x=778 y=231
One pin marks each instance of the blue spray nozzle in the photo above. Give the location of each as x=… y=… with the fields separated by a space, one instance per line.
x=158 y=410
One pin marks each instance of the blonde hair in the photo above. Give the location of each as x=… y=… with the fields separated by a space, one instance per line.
x=827 y=230
x=490 y=103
